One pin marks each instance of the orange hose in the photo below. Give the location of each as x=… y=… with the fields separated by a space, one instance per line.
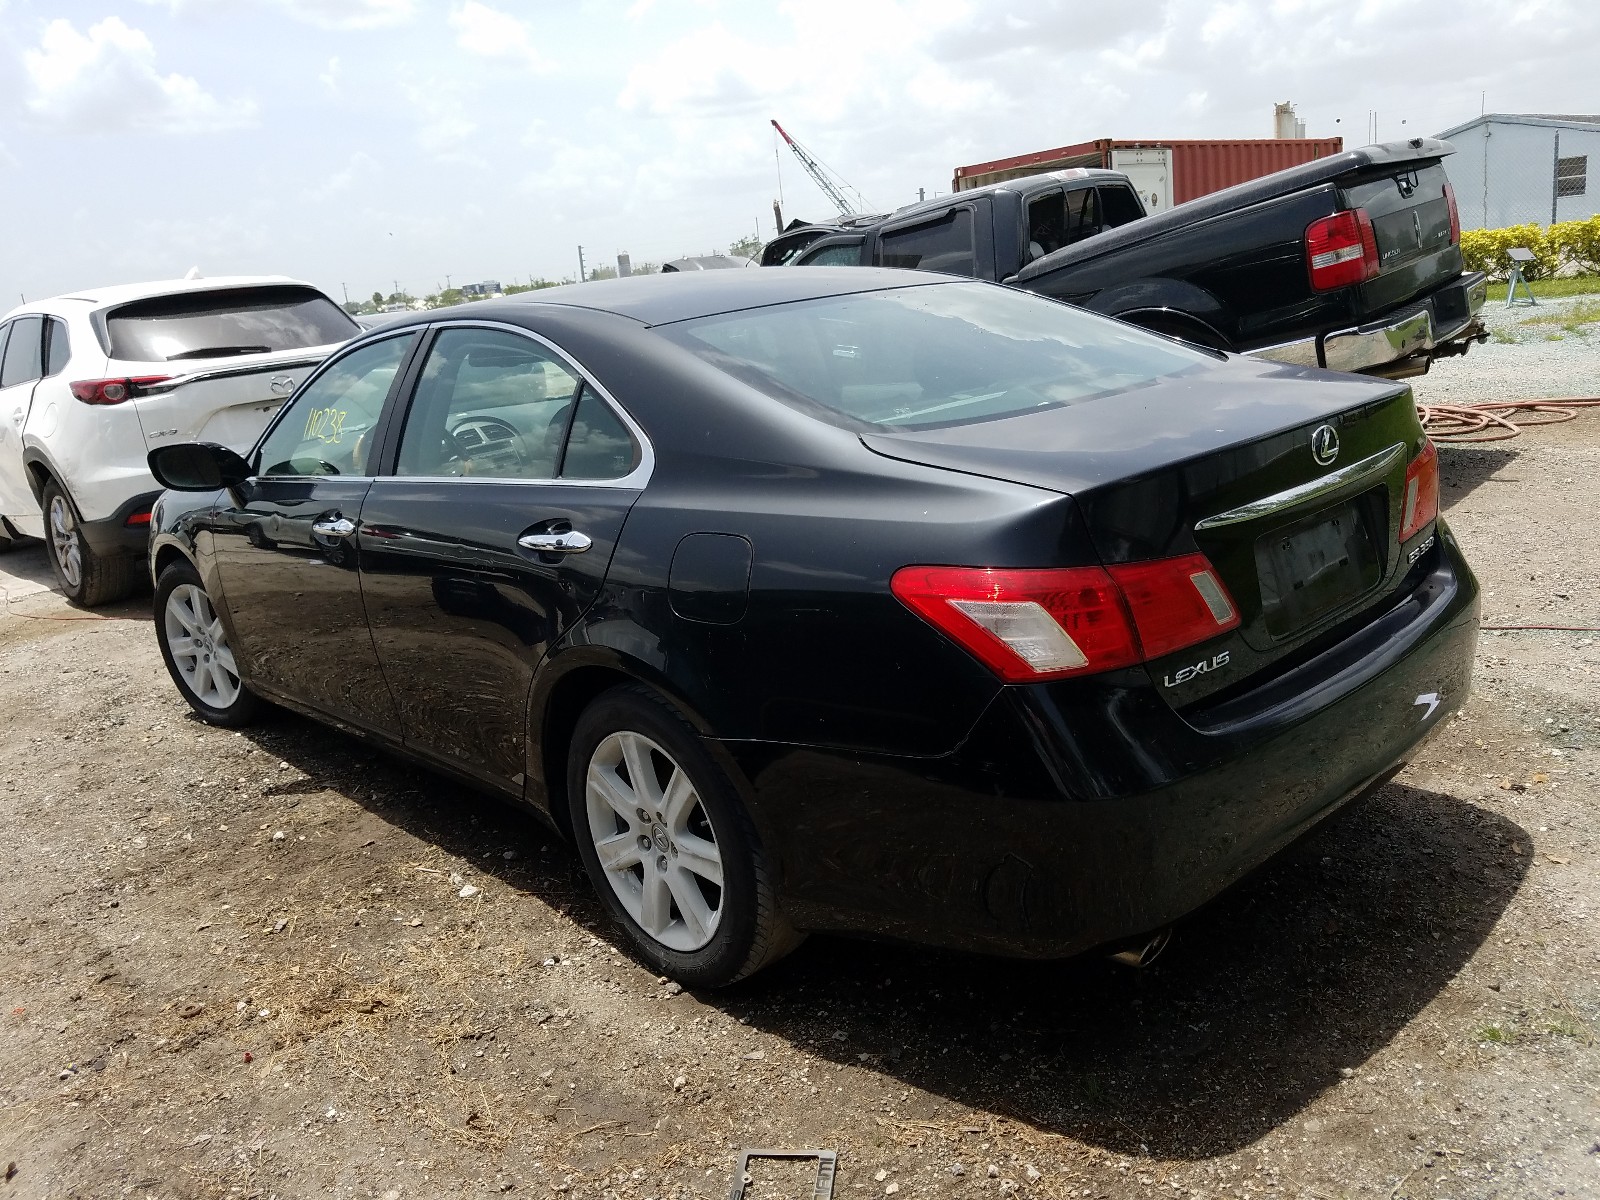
x=1484 y=422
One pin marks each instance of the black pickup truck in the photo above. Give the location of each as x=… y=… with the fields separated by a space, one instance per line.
x=1351 y=262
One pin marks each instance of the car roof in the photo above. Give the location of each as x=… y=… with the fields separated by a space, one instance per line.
x=122 y=293
x=682 y=296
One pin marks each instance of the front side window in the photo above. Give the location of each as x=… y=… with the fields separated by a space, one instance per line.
x=1047 y=224
x=943 y=245
x=930 y=356
x=24 y=359
x=488 y=404
x=226 y=323
x=840 y=254
x=328 y=426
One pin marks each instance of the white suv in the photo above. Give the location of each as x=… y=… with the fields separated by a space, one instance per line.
x=92 y=382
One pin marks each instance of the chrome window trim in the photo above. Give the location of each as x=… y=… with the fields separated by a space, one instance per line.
x=1356 y=472
x=634 y=479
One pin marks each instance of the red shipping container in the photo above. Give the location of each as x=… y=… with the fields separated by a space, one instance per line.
x=1198 y=167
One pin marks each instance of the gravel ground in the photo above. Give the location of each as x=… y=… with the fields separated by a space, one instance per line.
x=239 y=965
x=1540 y=351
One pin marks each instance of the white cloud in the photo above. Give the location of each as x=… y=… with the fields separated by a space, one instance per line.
x=325 y=14
x=105 y=80
x=330 y=77
x=444 y=126
x=361 y=166
x=491 y=33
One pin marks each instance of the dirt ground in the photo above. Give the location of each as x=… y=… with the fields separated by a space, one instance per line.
x=239 y=965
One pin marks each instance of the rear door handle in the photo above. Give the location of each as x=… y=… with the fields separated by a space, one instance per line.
x=568 y=541
x=334 y=527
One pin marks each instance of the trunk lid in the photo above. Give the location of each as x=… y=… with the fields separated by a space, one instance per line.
x=227 y=401
x=1221 y=462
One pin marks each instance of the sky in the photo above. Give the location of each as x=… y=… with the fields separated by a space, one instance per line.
x=363 y=143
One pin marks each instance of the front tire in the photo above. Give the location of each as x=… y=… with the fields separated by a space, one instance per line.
x=194 y=645
x=668 y=845
x=87 y=579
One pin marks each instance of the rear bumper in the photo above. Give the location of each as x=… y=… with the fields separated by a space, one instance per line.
x=1411 y=333
x=1079 y=814
x=113 y=536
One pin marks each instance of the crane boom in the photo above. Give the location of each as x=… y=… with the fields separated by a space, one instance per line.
x=818 y=173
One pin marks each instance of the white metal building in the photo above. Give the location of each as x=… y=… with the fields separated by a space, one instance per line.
x=1516 y=169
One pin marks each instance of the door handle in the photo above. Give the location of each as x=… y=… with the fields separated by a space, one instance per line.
x=569 y=541
x=334 y=527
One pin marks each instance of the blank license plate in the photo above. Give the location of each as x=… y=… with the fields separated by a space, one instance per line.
x=1311 y=569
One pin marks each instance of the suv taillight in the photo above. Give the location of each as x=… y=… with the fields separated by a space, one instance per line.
x=1420 y=502
x=1341 y=250
x=1032 y=625
x=1455 y=214
x=113 y=391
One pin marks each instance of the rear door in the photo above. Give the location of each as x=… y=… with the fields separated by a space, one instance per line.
x=287 y=551
x=21 y=365
x=489 y=536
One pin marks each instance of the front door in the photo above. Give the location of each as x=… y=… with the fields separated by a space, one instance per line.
x=21 y=364
x=287 y=551
x=493 y=534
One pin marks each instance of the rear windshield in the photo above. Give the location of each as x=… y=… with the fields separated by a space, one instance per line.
x=922 y=357
x=223 y=324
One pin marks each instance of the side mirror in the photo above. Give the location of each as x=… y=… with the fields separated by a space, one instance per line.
x=198 y=467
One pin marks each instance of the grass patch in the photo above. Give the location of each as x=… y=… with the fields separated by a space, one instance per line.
x=1499 y=1035
x=1552 y=289
x=1572 y=319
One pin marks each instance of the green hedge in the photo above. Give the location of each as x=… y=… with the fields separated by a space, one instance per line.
x=1574 y=244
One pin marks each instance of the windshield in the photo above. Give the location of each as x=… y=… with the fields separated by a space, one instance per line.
x=941 y=354
x=225 y=324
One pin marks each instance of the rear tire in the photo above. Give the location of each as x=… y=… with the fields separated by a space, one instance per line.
x=194 y=645
x=1195 y=335
x=87 y=579
x=684 y=874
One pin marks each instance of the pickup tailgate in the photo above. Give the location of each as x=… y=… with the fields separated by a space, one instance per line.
x=1409 y=206
x=229 y=404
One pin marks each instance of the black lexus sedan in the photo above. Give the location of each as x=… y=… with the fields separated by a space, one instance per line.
x=838 y=599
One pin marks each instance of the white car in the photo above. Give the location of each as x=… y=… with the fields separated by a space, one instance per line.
x=92 y=382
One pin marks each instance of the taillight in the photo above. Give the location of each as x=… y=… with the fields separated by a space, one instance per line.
x=1032 y=625
x=137 y=519
x=1455 y=214
x=1421 y=497
x=1341 y=250
x=114 y=391
x=1175 y=602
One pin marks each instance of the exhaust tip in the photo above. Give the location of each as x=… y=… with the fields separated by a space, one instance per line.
x=1145 y=952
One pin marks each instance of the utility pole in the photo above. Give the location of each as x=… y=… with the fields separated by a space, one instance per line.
x=346 y=288
x=582 y=274
x=922 y=193
x=447 y=283
x=396 y=287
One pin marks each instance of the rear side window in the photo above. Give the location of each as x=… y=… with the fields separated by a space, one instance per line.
x=598 y=445
x=329 y=426
x=23 y=358
x=1118 y=206
x=930 y=356
x=942 y=245
x=56 y=347
x=223 y=324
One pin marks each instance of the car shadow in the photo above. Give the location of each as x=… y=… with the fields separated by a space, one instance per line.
x=1276 y=992
x=1465 y=468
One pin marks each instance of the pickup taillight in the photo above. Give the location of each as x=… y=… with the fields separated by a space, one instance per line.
x=1455 y=214
x=1341 y=250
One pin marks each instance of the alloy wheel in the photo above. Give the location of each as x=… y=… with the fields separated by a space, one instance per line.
x=654 y=840
x=199 y=647
x=65 y=542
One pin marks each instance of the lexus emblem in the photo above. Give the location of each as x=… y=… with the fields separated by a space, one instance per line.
x=1324 y=445
x=282 y=385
